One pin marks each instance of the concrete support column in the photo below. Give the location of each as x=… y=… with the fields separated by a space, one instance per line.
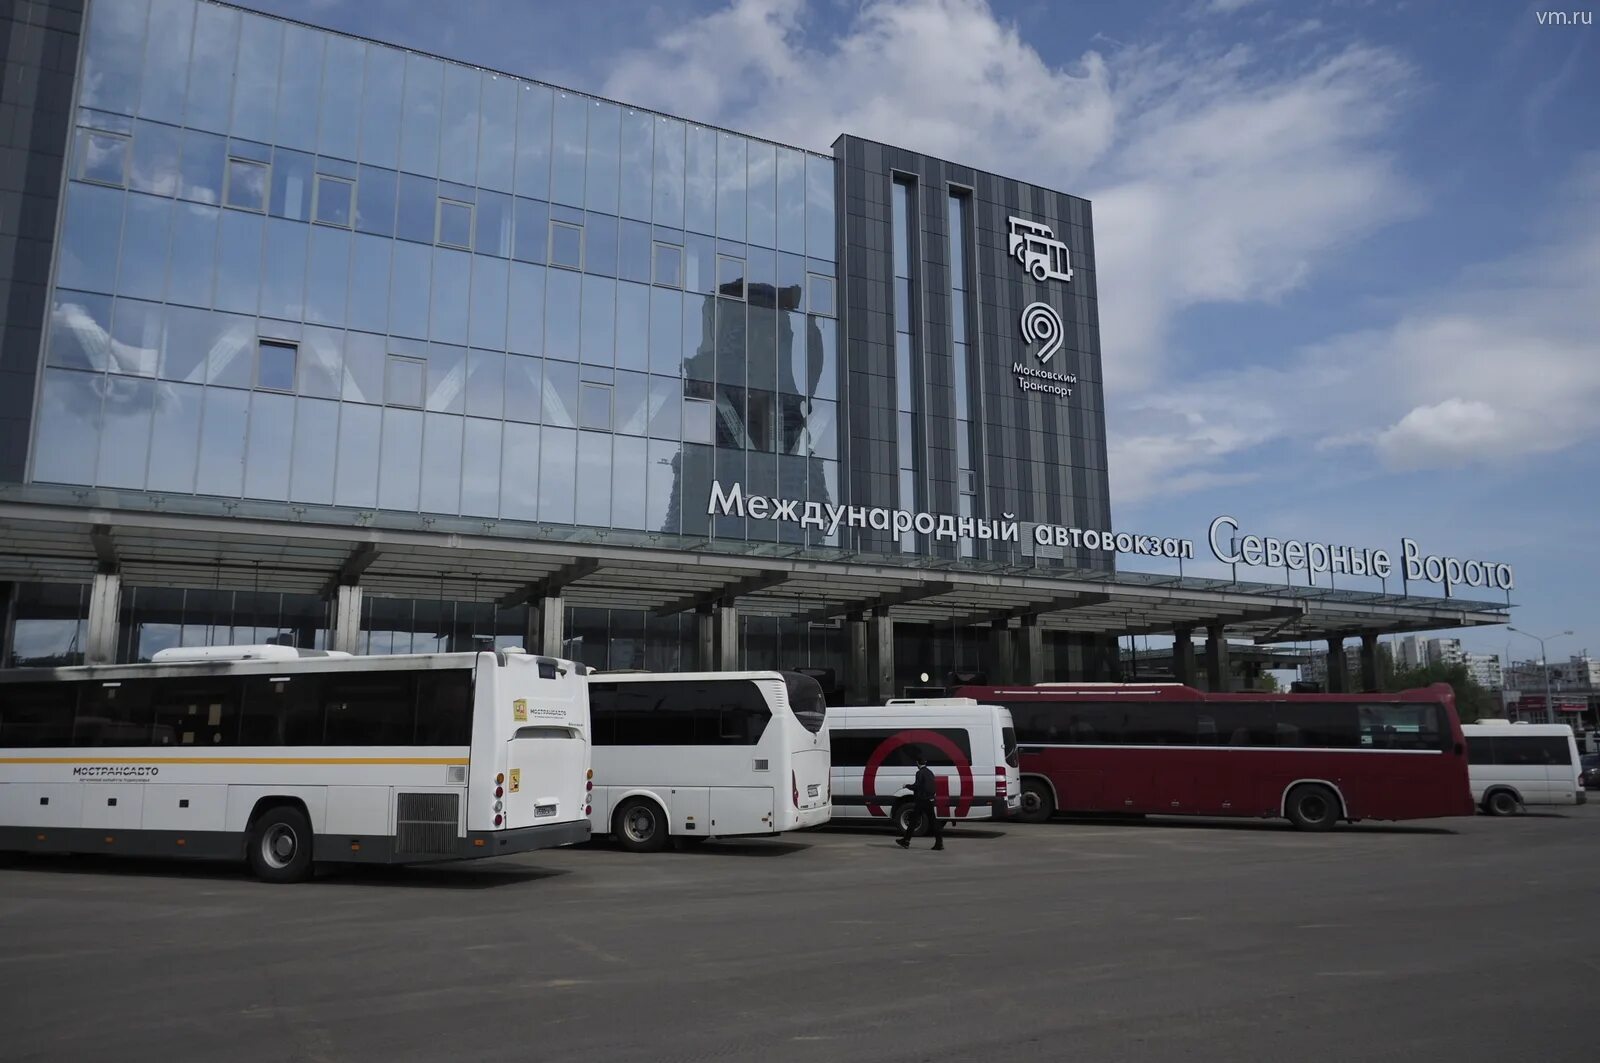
x=105 y=608
x=859 y=682
x=883 y=637
x=552 y=626
x=1183 y=662
x=1369 y=661
x=1005 y=659
x=346 y=634
x=8 y=620
x=727 y=617
x=1338 y=667
x=705 y=638
x=1219 y=677
x=1031 y=636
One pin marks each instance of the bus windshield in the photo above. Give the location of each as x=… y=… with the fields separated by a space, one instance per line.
x=805 y=700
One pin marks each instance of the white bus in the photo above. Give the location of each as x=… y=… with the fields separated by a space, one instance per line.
x=970 y=747
x=1513 y=765
x=281 y=757
x=698 y=755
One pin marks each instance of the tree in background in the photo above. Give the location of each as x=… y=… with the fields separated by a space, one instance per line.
x=1267 y=683
x=1473 y=702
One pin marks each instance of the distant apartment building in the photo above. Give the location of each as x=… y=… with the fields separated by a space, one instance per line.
x=1485 y=670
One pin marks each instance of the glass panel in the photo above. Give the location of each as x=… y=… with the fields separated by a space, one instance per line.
x=154 y=166
x=638 y=131
x=730 y=361
x=533 y=141
x=377 y=203
x=598 y=342
x=566 y=245
x=486 y=383
x=699 y=337
x=339 y=125
x=69 y=427
x=204 y=155
x=89 y=238
x=125 y=436
x=405 y=380
x=316 y=450
x=322 y=363
x=275 y=365
x=80 y=331
x=730 y=276
x=369 y=297
x=560 y=394
x=230 y=357
x=300 y=88
x=634 y=257
x=458 y=154
x=188 y=344
x=329 y=276
x=519 y=499
x=668 y=265
x=791 y=206
x=819 y=208
x=192 y=270
x=136 y=332
x=605 y=131
x=246 y=185
x=211 y=64
x=563 y=299
x=410 y=289
x=762 y=218
x=731 y=187
x=666 y=333
x=699 y=264
x=270 y=447
x=628 y=504
x=419 y=120
x=111 y=59
x=600 y=244
x=557 y=469
x=633 y=326
x=102 y=157
x=820 y=294
x=335 y=201
x=447 y=379
x=175 y=437
x=364 y=368
x=143 y=269
x=632 y=400
x=480 y=469
x=594 y=406
x=283 y=280
x=666 y=408
x=822 y=426
x=418 y=213
x=524 y=383
x=824 y=358
x=661 y=487
x=532 y=231
x=497 y=132
x=668 y=181
x=525 y=327
x=455 y=224
x=222 y=431
x=487 y=327
x=381 y=96
x=359 y=434
x=400 y=474
x=594 y=479
x=761 y=352
x=700 y=181
x=441 y=464
x=698 y=420
x=493 y=232
x=571 y=145
x=255 y=80
x=291 y=184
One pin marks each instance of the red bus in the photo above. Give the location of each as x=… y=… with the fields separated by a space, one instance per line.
x=1169 y=749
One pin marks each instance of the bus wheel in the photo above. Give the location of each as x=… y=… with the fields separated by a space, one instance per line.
x=1501 y=803
x=280 y=845
x=640 y=827
x=1312 y=807
x=1037 y=804
x=900 y=817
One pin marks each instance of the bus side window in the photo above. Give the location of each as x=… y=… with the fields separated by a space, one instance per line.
x=369 y=708
x=1480 y=751
x=196 y=712
x=444 y=708
x=35 y=715
x=281 y=713
x=114 y=714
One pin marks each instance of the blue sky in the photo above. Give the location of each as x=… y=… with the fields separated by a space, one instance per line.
x=1349 y=252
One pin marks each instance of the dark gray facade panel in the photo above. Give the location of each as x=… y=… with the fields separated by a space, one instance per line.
x=39 y=54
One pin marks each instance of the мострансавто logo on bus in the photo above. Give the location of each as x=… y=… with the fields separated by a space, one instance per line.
x=1035 y=246
x=115 y=771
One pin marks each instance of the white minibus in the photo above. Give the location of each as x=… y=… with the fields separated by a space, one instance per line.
x=698 y=755
x=1513 y=765
x=971 y=748
x=286 y=757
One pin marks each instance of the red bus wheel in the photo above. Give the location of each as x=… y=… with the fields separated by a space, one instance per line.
x=1038 y=804
x=1312 y=807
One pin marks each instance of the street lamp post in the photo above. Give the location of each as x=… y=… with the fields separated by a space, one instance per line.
x=1544 y=663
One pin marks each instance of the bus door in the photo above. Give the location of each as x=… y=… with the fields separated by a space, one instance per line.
x=545 y=776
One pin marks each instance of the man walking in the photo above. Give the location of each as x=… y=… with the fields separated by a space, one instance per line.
x=922 y=792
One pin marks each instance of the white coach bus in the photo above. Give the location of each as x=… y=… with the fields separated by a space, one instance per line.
x=707 y=754
x=282 y=757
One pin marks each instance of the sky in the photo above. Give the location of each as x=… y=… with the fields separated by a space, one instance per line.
x=1348 y=252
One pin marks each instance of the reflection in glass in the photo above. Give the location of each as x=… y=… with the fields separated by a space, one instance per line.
x=452 y=286
x=125 y=432
x=365 y=358
x=594 y=409
x=594 y=480
x=369 y=296
x=111 y=58
x=700 y=181
x=570 y=147
x=819 y=294
x=382 y=93
x=566 y=245
x=458 y=160
x=174 y=437
x=230 y=357
x=455 y=223
x=143 y=268
x=668 y=266
x=628 y=489
x=563 y=300
x=247 y=185
x=497 y=133
x=731 y=187
x=329 y=276
x=822 y=428
x=339 y=125
x=632 y=399
x=634 y=257
x=400 y=470
x=638 y=131
x=419 y=119
x=699 y=338
x=300 y=88
x=480 y=469
x=255 y=81
x=666 y=333
x=89 y=238
x=404 y=381
x=698 y=420
x=166 y=57
x=666 y=408
x=69 y=427
x=605 y=130
x=155 y=166
x=486 y=383
x=447 y=379
x=335 y=200
x=762 y=218
x=270 y=446
x=525 y=318
x=519 y=489
x=560 y=394
x=316 y=450
x=493 y=235
x=668 y=182
x=487 y=327
x=410 y=289
x=80 y=331
x=600 y=244
x=321 y=358
x=761 y=349
x=532 y=231
x=791 y=201
x=204 y=155
x=524 y=383
x=359 y=431
x=557 y=470
x=417 y=217
x=633 y=326
x=222 y=429
x=211 y=63
x=283 y=280
x=441 y=464
x=661 y=481
x=819 y=208
x=598 y=342
x=375 y=207
x=825 y=357
x=102 y=157
x=699 y=264
x=533 y=141
x=275 y=365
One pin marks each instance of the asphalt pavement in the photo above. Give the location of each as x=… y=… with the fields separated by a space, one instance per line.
x=1154 y=941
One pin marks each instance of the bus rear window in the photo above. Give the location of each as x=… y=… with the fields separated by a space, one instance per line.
x=1008 y=741
x=805 y=701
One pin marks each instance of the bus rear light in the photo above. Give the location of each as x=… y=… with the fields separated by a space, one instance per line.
x=478 y=843
x=499 y=791
x=498 y=819
x=590 y=775
x=1000 y=787
x=588 y=786
x=500 y=777
x=499 y=806
x=355 y=847
x=794 y=789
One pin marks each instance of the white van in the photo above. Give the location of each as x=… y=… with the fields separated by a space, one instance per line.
x=971 y=748
x=1517 y=764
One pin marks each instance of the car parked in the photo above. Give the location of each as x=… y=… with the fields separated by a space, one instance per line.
x=1589 y=771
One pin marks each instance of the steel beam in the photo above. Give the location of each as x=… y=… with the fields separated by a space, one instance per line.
x=1054 y=605
x=903 y=596
x=552 y=585
x=728 y=592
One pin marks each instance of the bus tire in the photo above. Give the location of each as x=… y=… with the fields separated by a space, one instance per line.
x=640 y=826
x=1312 y=807
x=1501 y=803
x=1038 y=803
x=279 y=849
x=900 y=816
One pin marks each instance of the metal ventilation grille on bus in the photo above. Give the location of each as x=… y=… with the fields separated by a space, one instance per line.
x=426 y=824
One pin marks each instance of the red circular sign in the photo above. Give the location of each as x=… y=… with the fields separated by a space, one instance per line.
x=869 y=776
